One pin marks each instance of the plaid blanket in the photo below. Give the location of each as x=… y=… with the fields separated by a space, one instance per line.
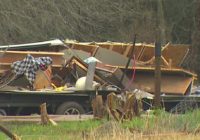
x=29 y=66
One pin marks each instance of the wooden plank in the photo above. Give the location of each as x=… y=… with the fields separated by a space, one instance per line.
x=127 y=50
x=165 y=61
x=43 y=79
x=106 y=68
x=12 y=56
x=175 y=52
x=110 y=47
x=140 y=53
x=37 y=118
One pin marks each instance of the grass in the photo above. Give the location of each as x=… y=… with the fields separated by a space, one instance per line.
x=160 y=126
x=172 y=123
x=64 y=130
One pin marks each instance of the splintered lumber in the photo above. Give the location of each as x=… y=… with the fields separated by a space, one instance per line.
x=9 y=133
x=131 y=107
x=143 y=52
x=114 y=106
x=112 y=74
x=44 y=116
x=98 y=108
x=123 y=109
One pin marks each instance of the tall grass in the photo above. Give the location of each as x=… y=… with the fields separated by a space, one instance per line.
x=166 y=122
x=156 y=126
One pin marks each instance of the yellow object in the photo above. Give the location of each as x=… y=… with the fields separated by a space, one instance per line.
x=58 y=89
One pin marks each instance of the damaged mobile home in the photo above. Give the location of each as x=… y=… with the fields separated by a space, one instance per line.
x=84 y=68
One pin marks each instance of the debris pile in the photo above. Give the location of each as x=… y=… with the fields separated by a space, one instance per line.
x=102 y=63
x=62 y=66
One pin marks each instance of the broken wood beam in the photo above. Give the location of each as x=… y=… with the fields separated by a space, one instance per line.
x=165 y=61
x=127 y=50
x=114 y=106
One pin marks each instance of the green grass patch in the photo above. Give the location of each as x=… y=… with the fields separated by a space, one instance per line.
x=64 y=130
x=162 y=121
x=156 y=122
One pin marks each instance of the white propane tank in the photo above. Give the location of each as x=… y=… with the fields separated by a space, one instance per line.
x=80 y=84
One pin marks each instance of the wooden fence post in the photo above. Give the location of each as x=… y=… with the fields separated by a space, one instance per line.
x=97 y=105
x=44 y=116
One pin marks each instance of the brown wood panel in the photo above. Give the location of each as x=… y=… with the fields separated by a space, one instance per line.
x=106 y=46
x=12 y=56
x=137 y=51
x=43 y=79
x=120 y=48
x=176 y=53
x=147 y=54
x=170 y=84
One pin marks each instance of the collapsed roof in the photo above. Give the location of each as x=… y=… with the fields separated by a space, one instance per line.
x=175 y=80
